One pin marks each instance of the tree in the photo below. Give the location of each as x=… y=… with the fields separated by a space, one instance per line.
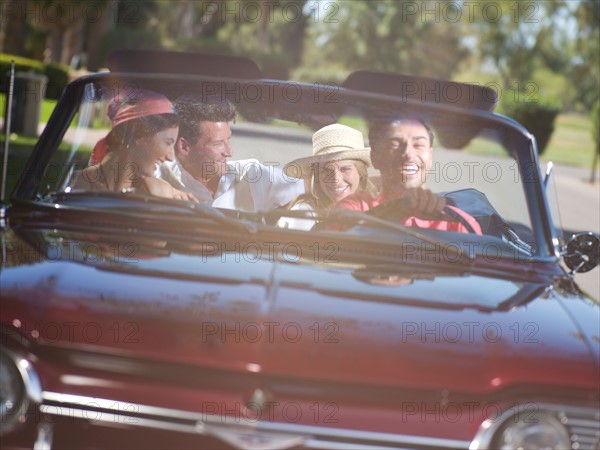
x=386 y=36
x=136 y=27
x=96 y=30
x=584 y=70
x=63 y=23
x=515 y=37
x=269 y=32
x=13 y=27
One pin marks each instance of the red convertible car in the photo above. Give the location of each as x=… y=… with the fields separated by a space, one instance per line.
x=134 y=320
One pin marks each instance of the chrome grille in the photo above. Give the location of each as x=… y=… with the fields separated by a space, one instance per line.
x=584 y=429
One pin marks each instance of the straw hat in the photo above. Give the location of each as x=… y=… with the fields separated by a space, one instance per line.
x=331 y=143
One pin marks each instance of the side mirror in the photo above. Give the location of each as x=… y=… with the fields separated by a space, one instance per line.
x=583 y=252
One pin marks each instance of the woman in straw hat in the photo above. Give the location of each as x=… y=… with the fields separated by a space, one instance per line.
x=144 y=132
x=337 y=169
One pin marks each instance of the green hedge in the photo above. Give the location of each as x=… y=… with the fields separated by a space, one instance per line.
x=537 y=116
x=58 y=74
x=58 y=78
x=21 y=65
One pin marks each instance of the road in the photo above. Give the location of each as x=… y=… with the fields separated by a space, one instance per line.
x=579 y=208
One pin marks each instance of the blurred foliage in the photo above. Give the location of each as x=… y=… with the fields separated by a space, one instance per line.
x=554 y=44
x=58 y=74
x=515 y=38
x=381 y=35
x=584 y=71
x=537 y=116
x=271 y=33
x=58 y=78
x=136 y=27
x=131 y=38
x=21 y=65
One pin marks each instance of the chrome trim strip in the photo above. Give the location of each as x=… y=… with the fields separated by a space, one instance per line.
x=117 y=419
x=329 y=445
x=117 y=412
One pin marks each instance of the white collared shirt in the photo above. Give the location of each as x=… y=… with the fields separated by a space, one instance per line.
x=247 y=185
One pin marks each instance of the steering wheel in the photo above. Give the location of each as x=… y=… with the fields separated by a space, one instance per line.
x=397 y=210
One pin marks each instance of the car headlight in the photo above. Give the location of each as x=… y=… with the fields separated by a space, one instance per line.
x=19 y=387
x=544 y=431
x=539 y=426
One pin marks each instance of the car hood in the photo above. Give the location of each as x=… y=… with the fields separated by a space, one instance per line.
x=238 y=311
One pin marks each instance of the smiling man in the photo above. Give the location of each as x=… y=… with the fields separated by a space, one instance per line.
x=402 y=151
x=202 y=167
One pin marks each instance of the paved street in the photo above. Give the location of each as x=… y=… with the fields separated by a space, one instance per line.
x=579 y=206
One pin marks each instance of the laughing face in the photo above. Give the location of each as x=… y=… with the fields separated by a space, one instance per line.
x=402 y=152
x=207 y=158
x=155 y=149
x=339 y=179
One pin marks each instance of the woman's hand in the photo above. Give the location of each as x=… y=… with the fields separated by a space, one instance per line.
x=181 y=195
x=161 y=188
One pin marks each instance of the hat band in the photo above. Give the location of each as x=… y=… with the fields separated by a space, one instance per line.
x=334 y=149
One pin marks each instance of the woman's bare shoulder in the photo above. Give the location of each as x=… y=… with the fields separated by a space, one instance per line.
x=86 y=179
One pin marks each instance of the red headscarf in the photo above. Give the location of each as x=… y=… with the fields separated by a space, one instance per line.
x=129 y=105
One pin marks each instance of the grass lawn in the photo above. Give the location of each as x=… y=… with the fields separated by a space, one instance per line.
x=47 y=107
x=18 y=155
x=571 y=143
x=20 y=151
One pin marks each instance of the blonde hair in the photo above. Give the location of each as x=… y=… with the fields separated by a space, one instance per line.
x=320 y=200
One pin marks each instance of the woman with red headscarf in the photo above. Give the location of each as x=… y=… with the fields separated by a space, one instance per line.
x=144 y=133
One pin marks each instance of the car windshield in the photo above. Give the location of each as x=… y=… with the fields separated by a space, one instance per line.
x=481 y=163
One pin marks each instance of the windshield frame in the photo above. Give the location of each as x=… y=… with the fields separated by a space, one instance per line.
x=514 y=136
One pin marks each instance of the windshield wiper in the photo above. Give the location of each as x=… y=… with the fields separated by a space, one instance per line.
x=142 y=205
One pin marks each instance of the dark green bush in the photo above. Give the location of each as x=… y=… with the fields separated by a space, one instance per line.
x=58 y=78
x=58 y=74
x=536 y=115
x=21 y=65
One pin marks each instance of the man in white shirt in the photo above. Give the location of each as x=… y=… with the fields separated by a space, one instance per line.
x=202 y=167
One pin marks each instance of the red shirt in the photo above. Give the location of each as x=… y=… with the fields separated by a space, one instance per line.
x=363 y=201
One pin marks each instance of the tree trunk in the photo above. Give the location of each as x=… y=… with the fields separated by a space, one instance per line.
x=12 y=32
x=97 y=30
x=54 y=46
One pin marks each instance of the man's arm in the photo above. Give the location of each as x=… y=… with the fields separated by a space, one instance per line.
x=281 y=189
